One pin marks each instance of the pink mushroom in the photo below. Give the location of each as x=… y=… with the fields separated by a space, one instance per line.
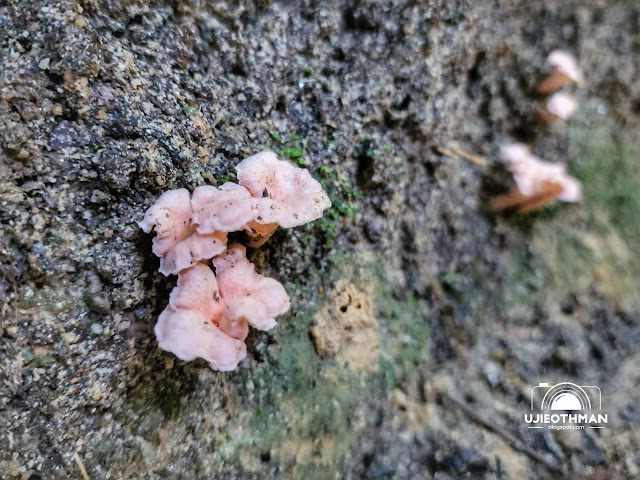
x=286 y=195
x=177 y=242
x=248 y=296
x=565 y=71
x=171 y=217
x=560 y=106
x=187 y=327
x=538 y=182
x=226 y=209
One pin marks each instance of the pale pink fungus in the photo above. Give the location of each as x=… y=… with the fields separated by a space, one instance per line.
x=177 y=243
x=263 y=298
x=286 y=195
x=197 y=290
x=192 y=250
x=227 y=209
x=560 y=106
x=538 y=182
x=209 y=317
x=187 y=327
x=565 y=71
x=171 y=217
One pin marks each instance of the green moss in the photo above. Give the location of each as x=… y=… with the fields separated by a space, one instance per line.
x=38 y=362
x=568 y=243
x=451 y=280
x=276 y=136
x=231 y=177
x=299 y=397
x=607 y=166
x=53 y=300
x=293 y=153
x=404 y=339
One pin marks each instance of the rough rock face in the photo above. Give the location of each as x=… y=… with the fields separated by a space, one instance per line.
x=105 y=105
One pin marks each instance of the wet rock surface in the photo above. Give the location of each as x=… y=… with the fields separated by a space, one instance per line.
x=104 y=105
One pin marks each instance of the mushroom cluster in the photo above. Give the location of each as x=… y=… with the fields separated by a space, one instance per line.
x=538 y=182
x=209 y=314
x=560 y=105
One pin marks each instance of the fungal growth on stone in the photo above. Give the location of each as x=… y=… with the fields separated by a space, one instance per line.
x=285 y=196
x=177 y=242
x=189 y=326
x=565 y=71
x=219 y=294
x=560 y=106
x=537 y=182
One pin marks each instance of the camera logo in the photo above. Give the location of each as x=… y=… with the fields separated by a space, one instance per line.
x=566 y=396
x=566 y=406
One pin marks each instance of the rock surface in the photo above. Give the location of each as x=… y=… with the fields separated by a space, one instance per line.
x=105 y=105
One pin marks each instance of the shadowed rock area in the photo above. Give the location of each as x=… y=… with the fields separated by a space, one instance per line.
x=399 y=109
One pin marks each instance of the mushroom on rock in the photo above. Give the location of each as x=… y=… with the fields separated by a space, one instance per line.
x=560 y=106
x=286 y=195
x=538 y=182
x=188 y=325
x=226 y=209
x=177 y=242
x=248 y=296
x=565 y=71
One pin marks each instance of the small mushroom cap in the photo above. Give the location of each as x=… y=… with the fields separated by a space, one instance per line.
x=171 y=216
x=565 y=63
x=197 y=290
x=561 y=105
x=531 y=174
x=195 y=248
x=238 y=279
x=572 y=190
x=188 y=334
x=226 y=209
x=514 y=153
x=287 y=195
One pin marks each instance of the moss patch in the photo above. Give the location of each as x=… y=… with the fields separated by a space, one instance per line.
x=304 y=405
x=593 y=244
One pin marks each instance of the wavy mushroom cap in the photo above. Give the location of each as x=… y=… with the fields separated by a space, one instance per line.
x=194 y=249
x=561 y=105
x=533 y=175
x=264 y=298
x=566 y=63
x=197 y=290
x=170 y=217
x=514 y=153
x=287 y=195
x=188 y=334
x=226 y=209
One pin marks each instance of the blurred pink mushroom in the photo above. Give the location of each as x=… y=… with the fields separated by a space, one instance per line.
x=565 y=71
x=538 y=182
x=187 y=327
x=248 y=296
x=560 y=106
x=286 y=195
x=177 y=242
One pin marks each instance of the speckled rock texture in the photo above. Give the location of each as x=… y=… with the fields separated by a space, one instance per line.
x=105 y=105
